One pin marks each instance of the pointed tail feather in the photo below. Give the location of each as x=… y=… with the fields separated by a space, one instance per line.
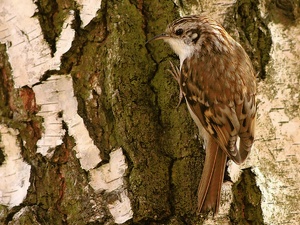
x=209 y=190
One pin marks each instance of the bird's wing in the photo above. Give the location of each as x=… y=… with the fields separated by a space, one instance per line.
x=223 y=105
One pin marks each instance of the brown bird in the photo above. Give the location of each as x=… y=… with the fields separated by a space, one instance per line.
x=217 y=80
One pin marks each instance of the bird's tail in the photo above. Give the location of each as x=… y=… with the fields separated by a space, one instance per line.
x=209 y=190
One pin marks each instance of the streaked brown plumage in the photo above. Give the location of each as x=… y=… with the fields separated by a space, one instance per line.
x=217 y=79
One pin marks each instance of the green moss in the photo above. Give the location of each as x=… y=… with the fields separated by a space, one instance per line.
x=254 y=34
x=77 y=199
x=184 y=193
x=6 y=85
x=141 y=125
x=3 y=213
x=51 y=15
x=126 y=98
x=246 y=208
x=111 y=82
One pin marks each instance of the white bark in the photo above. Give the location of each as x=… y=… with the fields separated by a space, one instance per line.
x=29 y=56
x=109 y=177
x=14 y=172
x=276 y=155
x=274 y=158
x=88 y=10
x=54 y=96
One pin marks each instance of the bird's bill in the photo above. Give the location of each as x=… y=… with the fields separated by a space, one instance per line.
x=158 y=37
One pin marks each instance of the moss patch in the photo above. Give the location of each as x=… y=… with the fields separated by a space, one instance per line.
x=253 y=33
x=51 y=15
x=246 y=208
x=6 y=85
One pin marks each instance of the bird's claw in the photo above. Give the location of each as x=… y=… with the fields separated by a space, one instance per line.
x=175 y=72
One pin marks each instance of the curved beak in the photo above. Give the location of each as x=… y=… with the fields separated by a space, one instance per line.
x=158 y=37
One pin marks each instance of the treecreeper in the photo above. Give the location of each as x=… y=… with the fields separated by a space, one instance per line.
x=218 y=82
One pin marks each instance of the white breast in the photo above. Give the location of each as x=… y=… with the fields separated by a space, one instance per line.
x=180 y=48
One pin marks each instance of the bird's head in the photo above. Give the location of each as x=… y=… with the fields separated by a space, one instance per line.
x=194 y=33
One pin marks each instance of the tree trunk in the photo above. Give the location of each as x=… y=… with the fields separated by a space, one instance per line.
x=90 y=132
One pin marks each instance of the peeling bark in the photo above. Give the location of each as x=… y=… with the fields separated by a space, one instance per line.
x=90 y=132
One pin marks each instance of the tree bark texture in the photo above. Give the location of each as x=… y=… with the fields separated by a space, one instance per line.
x=90 y=132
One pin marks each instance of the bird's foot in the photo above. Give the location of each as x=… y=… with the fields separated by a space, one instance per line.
x=175 y=72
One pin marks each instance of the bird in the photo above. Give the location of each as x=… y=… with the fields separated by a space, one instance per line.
x=218 y=82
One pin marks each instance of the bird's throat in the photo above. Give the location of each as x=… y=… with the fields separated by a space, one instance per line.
x=180 y=48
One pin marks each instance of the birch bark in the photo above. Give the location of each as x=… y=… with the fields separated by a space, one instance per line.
x=90 y=132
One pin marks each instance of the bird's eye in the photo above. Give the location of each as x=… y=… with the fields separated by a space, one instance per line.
x=179 y=32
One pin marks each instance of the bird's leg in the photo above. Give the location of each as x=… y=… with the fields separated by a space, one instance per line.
x=175 y=72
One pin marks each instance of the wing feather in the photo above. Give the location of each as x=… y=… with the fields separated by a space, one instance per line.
x=224 y=103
